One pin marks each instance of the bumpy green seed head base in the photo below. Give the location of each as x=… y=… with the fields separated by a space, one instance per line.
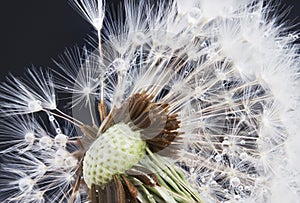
x=114 y=152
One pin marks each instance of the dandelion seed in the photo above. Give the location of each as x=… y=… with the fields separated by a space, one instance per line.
x=178 y=102
x=34 y=94
x=79 y=76
x=91 y=10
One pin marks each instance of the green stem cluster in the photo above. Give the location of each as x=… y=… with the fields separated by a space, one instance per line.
x=172 y=188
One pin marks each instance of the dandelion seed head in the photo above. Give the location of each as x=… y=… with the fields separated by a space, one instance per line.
x=203 y=94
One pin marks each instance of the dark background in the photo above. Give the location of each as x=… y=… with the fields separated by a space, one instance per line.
x=33 y=32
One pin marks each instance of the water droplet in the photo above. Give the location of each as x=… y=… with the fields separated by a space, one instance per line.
x=46 y=142
x=71 y=161
x=51 y=118
x=58 y=130
x=62 y=153
x=225 y=142
x=34 y=106
x=243 y=142
x=26 y=184
x=58 y=161
x=213 y=184
x=234 y=182
x=218 y=158
x=244 y=155
x=61 y=140
x=29 y=137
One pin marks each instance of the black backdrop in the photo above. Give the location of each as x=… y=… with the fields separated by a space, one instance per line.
x=34 y=31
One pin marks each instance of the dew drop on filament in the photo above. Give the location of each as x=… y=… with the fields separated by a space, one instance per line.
x=26 y=184
x=234 y=182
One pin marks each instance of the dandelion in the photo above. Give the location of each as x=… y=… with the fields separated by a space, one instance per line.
x=174 y=102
